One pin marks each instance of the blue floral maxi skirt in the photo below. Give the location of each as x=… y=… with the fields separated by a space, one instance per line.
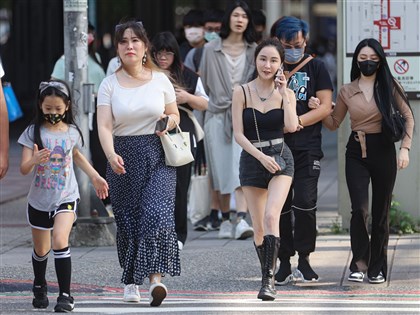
x=143 y=202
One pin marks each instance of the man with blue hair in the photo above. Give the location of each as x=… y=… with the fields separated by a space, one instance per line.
x=308 y=78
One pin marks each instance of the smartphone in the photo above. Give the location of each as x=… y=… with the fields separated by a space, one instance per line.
x=162 y=124
x=278 y=73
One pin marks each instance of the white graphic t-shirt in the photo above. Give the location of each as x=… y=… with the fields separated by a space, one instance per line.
x=54 y=182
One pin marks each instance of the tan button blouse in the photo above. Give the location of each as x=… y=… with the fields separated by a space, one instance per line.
x=365 y=115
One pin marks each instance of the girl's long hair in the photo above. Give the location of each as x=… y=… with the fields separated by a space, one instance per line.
x=385 y=84
x=39 y=120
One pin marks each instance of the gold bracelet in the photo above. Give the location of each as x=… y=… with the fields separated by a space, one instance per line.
x=300 y=121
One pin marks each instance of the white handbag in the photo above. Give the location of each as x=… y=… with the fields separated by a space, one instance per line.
x=177 y=147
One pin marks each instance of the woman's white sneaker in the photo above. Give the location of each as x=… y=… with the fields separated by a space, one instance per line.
x=378 y=279
x=131 y=293
x=157 y=293
x=356 y=276
x=243 y=230
x=226 y=230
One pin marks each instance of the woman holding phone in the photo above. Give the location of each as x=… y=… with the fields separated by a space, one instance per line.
x=262 y=110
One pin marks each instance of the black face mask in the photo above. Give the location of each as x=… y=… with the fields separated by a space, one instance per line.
x=368 y=67
x=54 y=118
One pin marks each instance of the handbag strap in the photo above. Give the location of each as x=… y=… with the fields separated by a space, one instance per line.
x=256 y=125
x=304 y=62
x=178 y=128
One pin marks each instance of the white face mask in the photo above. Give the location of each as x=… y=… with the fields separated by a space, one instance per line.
x=194 y=35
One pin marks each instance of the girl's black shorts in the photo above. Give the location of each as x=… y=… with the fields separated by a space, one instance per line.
x=43 y=220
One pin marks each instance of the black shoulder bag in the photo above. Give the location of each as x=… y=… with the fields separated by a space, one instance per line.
x=393 y=126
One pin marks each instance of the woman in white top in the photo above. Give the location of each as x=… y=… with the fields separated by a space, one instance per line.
x=142 y=187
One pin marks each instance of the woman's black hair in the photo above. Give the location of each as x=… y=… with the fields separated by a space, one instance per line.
x=225 y=30
x=271 y=41
x=39 y=120
x=166 y=41
x=193 y=18
x=385 y=83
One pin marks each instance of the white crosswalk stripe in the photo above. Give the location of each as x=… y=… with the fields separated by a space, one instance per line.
x=248 y=306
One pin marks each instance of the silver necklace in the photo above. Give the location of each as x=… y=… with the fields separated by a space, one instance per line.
x=263 y=99
x=131 y=76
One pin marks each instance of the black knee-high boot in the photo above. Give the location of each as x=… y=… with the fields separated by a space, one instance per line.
x=261 y=255
x=271 y=246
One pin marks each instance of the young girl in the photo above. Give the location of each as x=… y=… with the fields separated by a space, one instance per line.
x=50 y=144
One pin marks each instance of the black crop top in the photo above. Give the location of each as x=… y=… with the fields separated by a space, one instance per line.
x=270 y=124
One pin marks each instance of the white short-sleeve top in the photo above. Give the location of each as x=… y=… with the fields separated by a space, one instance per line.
x=135 y=111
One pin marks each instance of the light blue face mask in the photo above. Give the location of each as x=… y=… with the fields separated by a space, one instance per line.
x=208 y=36
x=293 y=55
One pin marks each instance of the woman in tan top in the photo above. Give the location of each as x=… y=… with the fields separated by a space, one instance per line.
x=370 y=155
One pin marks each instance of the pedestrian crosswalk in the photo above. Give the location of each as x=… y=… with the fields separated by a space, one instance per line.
x=16 y=297
x=251 y=306
x=239 y=304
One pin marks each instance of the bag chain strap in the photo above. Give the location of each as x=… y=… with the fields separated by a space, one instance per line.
x=256 y=127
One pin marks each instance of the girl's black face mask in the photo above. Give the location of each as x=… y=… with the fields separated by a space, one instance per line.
x=368 y=67
x=54 y=118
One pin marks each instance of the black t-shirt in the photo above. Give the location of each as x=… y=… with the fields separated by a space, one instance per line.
x=309 y=79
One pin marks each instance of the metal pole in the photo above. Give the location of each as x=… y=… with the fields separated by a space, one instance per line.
x=273 y=11
x=76 y=56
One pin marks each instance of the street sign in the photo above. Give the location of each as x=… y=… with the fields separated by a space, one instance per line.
x=396 y=25
x=401 y=66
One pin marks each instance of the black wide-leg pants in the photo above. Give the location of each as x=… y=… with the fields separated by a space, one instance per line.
x=379 y=167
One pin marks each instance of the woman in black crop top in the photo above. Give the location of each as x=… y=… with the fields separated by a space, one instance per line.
x=261 y=111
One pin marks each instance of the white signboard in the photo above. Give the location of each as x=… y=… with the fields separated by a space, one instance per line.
x=75 y=5
x=396 y=25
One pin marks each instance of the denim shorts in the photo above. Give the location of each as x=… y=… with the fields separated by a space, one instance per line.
x=44 y=220
x=253 y=173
